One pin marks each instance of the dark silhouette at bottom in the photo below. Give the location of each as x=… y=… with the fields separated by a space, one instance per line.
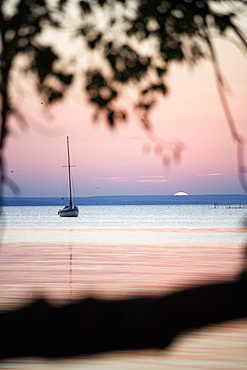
x=94 y=325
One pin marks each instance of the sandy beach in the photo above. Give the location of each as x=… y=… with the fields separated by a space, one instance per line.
x=66 y=271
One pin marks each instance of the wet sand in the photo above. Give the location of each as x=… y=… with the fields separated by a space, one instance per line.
x=66 y=271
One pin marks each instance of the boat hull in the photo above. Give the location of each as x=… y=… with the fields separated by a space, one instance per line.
x=68 y=212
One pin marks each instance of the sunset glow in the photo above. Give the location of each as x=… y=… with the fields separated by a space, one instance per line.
x=125 y=161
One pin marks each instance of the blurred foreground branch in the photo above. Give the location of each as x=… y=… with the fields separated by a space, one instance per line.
x=94 y=325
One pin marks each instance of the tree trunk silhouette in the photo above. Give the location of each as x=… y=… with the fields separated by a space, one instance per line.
x=94 y=325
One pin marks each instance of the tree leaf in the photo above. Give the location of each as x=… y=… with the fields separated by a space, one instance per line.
x=85 y=6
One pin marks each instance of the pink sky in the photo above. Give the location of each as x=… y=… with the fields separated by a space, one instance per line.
x=114 y=162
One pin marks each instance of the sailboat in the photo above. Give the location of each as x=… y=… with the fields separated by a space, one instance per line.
x=70 y=210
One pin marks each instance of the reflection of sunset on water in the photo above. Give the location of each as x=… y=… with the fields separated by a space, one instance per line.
x=122 y=270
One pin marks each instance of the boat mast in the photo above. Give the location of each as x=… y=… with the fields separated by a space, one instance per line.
x=70 y=192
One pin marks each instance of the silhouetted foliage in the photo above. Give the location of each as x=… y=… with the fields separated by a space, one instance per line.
x=93 y=325
x=139 y=40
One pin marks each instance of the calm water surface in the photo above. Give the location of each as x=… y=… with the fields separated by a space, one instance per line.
x=126 y=224
x=174 y=216
x=120 y=251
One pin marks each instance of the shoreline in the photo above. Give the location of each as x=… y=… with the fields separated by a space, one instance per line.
x=128 y=200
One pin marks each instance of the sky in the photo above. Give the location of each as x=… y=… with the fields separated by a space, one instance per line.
x=124 y=161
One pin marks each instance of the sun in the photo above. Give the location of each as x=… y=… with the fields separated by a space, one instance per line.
x=181 y=193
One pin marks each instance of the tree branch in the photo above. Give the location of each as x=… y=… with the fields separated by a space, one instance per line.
x=93 y=325
x=239 y=139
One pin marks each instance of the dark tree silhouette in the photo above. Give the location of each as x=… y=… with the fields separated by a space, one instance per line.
x=92 y=326
x=136 y=42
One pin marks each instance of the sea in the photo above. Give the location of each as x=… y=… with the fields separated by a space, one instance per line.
x=124 y=251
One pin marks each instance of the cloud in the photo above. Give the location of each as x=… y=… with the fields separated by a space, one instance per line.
x=152 y=179
x=209 y=174
x=110 y=178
